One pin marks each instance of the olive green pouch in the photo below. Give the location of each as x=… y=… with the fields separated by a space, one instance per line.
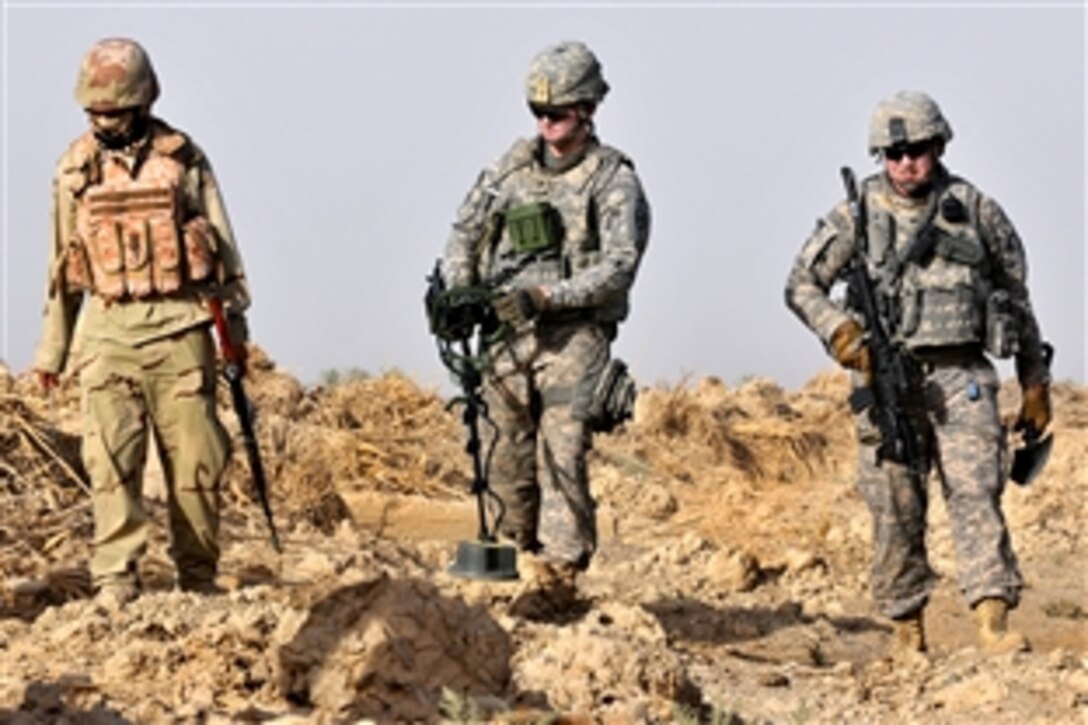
x=533 y=227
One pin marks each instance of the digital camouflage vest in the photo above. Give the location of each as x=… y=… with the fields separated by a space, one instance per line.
x=543 y=225
x=941 y=299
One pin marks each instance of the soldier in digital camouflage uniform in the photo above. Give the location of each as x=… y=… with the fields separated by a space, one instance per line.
x=968 y=298
x=140 y=238
x=557 y=226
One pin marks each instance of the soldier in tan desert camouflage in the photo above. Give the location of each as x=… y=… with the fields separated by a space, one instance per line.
x=557 y=227
x=964 y=298
x=140 y=239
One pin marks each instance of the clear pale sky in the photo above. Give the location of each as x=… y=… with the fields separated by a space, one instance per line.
x=344 y=136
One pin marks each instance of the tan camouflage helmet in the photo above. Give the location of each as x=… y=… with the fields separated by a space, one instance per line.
x=565 y=74
x=116 y=74
x=907 y=117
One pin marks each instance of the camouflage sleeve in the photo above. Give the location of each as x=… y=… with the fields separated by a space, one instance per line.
x=461 y=258
x=623 y=230
x=1010 y=273
x=822 y=261
x=61 y=306
x=205 y=199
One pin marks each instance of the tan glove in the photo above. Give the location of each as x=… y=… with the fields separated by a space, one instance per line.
x=521 y=305
x=1034 y=409
x=849 y=348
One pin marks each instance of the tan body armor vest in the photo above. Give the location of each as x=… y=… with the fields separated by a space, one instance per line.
x=132 y=237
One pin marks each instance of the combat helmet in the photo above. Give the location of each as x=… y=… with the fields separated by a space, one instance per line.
x=565 y=74
x=116 y=74
x=907 y=117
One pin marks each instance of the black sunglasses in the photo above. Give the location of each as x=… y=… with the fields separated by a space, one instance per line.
x=914 y=150
x=552 y=113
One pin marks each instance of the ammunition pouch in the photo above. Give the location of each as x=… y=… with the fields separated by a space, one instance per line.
x=1002 y=325
x=132 y=242
x=611 y=400
x=534 y=227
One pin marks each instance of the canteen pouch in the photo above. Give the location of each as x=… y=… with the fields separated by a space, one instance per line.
x=1002 y=325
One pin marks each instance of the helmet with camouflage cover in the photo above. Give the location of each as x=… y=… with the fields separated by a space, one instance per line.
x=565 y=74
x=116 y=74
x=907 y=117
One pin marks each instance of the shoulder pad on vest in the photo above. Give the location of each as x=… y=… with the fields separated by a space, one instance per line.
x=168 y=141
x=610 y=154
x=606 y=161
x=78 y=167
x=519 y=155
x=968 y=196
x=961 y=187
x=79 y=155
x=869 y=184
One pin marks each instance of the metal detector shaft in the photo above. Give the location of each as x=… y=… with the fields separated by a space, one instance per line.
x=471 y=418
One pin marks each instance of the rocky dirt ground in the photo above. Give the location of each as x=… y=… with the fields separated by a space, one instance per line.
x=730 y=585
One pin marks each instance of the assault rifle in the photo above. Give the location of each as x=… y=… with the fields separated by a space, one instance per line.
x=464 y=324
x=888 y=385
x=233 y=371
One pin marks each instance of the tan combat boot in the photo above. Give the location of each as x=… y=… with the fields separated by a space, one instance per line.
x=114 y=594
x=993 y=628
x=909 y=640
x=550 y=591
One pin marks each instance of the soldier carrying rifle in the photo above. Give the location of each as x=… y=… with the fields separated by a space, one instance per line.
x=938 y=281
x=140 y=241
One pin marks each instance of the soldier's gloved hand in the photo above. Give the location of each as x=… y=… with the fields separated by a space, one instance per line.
x=1034 y=409
x=521 y=305
x=849 y=348
x=46 y=380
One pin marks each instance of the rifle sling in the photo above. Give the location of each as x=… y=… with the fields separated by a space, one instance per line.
x=920 y=244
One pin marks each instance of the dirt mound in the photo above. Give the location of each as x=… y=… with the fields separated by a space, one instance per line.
x=731 y=582
x=387 y=648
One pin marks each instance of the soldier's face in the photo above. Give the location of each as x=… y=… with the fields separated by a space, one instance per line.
x=910 y=167
x=560 y=127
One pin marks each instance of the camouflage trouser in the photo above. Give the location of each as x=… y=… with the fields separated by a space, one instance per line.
x=165 y=388
x=960 y=434
x=535 y=393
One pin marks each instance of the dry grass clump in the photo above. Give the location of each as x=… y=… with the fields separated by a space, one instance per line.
x=44 y=516
x=35 y=455
x=381 y=433
x=754 y=431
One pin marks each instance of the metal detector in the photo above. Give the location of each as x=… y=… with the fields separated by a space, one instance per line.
x=464 y=323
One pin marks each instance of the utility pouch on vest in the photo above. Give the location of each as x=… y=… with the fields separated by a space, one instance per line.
x=613 y=398
x=534 y=227
x=107 y=258
x=960 y=249
x=139 y=236
x=1002 y=325
x=939 y=317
